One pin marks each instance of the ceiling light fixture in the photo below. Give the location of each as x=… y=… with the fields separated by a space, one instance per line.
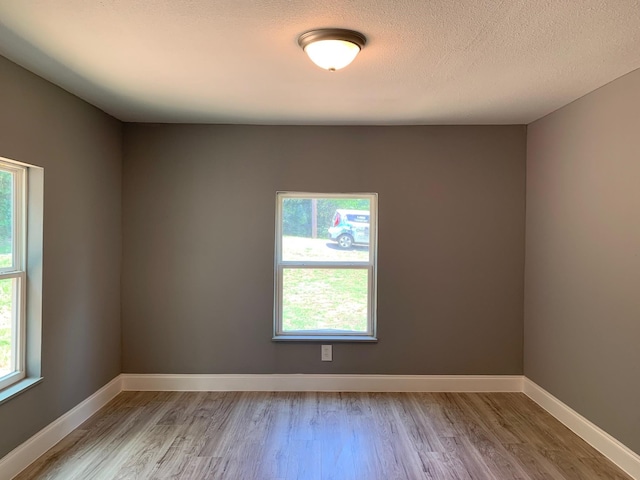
x=332 y=48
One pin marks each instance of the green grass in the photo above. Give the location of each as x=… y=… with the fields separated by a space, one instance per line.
x=322 y=298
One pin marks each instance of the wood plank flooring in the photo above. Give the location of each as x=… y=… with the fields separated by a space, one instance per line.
x=322 y=436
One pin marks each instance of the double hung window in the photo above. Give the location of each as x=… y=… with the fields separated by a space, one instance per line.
x=325 y=266
x=12 y=272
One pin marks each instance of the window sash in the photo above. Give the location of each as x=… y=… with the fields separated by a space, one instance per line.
x=18 y=337
x=279 y=331
x=18 y=220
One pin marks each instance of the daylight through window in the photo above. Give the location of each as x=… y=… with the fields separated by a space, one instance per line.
x=325 y=266
x=12 y=273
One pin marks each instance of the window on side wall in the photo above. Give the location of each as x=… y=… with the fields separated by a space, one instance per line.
x=325 y=266
x=12 y=273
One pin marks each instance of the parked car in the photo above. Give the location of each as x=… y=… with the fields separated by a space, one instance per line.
x=350 y=227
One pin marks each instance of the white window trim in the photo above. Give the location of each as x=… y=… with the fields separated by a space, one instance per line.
x=17 y=271
x=371 y=266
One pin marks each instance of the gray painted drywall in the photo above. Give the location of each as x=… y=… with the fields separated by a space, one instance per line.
x=198 y=235
x=80 y=149
x=582 y=307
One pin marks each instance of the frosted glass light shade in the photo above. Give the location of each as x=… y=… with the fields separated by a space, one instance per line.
x=332 y=54
x=332 y=48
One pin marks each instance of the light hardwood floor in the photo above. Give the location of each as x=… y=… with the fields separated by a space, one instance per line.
x=321 y=436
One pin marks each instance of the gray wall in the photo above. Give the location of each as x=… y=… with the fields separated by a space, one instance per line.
x=198 y=230
x=582 y=308
x=80 y=150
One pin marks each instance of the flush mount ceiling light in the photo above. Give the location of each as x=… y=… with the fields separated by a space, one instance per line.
x=332 y=48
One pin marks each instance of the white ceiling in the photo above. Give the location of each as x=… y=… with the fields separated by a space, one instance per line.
x=237 y=61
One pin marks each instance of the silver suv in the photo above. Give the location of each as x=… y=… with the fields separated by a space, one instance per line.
x=350 y=227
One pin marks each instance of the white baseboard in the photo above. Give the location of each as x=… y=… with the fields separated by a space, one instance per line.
x=611 y=448
x=323 y=383
x=24 y=455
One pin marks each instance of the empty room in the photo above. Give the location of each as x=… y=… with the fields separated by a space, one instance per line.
x=313 y=240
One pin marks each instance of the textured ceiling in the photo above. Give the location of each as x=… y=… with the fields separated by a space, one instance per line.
x=237 y=61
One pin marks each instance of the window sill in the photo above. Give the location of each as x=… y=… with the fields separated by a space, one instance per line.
x=18 y=387
x=325 y=338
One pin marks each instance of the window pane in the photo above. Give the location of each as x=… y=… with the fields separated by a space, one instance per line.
x=8 y=326
x=324 y=299
x=6 y=219
x=325 y=229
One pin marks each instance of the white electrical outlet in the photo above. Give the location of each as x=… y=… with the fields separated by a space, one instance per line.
x=327 y=353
